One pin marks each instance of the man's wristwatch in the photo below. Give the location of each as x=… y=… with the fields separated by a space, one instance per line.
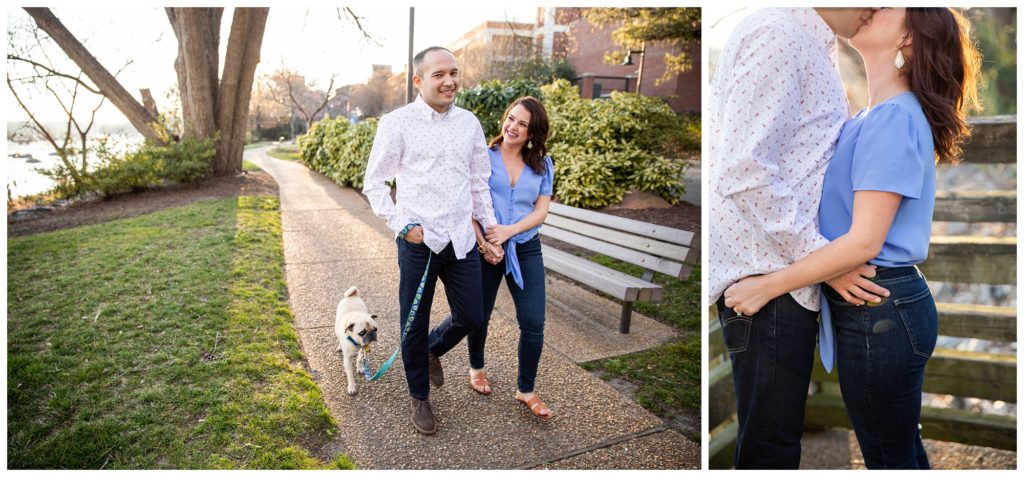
x=480 y=247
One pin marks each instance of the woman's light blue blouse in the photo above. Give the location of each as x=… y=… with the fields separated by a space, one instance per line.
x=511 y=204
x=888 y=148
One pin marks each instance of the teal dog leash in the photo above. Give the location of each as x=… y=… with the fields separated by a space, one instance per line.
x=365 y=365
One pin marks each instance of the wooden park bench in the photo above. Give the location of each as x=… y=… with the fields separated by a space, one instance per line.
x=653 y=247
x=962 y=374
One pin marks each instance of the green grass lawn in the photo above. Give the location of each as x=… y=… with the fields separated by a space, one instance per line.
x=287 y=153
x=161 y=341
x=668 y=376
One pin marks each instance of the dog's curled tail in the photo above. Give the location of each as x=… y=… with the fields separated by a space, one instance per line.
x=352 y=291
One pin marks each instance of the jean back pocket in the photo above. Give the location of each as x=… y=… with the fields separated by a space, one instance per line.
x=921 y=319
x=735 y=330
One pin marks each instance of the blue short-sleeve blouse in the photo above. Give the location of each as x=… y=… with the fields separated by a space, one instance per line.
x=511 y=204
x=888 y=148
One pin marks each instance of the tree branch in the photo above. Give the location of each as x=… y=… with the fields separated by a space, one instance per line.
x=61 y=152
x=54 y=72
x=294 y=101
x=357 y=20
x=327 y=99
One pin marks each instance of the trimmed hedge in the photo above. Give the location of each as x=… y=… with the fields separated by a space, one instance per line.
x=339 y=149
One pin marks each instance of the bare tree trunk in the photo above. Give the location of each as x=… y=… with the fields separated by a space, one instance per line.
x=144 y=122
x=243 y=54
x=179 y=67
x=196 y=38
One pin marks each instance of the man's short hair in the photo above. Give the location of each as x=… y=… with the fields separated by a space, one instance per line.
x=417 y=61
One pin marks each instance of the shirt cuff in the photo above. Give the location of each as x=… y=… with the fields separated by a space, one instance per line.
x=397 y=223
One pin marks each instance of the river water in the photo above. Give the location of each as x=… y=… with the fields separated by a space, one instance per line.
x=22 y=175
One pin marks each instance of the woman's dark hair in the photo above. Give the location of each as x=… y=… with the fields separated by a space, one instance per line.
x=943 y=73
x=537 y=131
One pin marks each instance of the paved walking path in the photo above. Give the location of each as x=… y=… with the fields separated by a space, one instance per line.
x=332 y=240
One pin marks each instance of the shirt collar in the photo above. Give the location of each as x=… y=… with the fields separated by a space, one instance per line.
x=429 y=113
x=816 y=27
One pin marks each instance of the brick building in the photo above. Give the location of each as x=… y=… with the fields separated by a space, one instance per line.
x=562 y=32
x=584 y=48
x=493 y=48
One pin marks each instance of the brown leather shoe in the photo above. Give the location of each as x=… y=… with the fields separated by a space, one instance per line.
x=423 y=416
x=434 y=371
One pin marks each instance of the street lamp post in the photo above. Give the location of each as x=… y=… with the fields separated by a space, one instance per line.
x=408 y=67
x=629 y=62
x=291 y=124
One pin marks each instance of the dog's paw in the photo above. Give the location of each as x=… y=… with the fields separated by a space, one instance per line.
x=351 y=391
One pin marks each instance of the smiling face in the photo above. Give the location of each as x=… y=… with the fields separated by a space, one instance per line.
x=883 y=34
x=515 y=131
x=438 y=79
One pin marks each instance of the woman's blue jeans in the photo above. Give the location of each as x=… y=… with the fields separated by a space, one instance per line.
x=881 y=352
x=529 y=302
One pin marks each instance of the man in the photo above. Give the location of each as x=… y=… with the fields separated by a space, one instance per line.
x=436 y=153
x=777 y=108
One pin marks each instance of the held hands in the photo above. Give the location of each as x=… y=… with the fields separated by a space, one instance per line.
x=493 y=254
x=499 y=234
x=855 y=287
x=747 y=296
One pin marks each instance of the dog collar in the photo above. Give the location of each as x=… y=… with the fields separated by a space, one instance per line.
x=350 y=340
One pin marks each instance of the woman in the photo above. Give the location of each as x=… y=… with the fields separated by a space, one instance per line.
x=521 y=182
x=876 y=207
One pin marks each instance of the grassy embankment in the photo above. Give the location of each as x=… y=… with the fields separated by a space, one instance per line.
x=161 y=341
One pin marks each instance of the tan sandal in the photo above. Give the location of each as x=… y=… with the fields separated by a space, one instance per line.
x=479 y=383
x=536 y=405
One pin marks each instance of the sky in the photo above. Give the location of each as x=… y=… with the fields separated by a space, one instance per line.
x=718 y=20
x=310 y=40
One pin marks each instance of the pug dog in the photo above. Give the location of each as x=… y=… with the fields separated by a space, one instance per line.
x=356 y=329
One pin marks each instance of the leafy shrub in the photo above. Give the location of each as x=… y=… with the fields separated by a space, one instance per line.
x=603 y=148
x=489 y=100
x=338 y=149
x=184 y=162
x=150 y=166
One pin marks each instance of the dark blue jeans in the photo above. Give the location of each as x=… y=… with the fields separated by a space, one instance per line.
x=881 y=352
x=461 y=280
x=529 y=302
x=771 y=353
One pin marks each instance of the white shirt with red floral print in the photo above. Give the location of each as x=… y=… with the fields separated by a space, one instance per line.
x=777 y=108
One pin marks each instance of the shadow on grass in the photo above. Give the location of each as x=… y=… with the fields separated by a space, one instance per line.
x=161 y=341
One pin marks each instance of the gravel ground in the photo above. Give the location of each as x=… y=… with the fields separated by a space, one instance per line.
x=332 y=240
x=838 y=449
